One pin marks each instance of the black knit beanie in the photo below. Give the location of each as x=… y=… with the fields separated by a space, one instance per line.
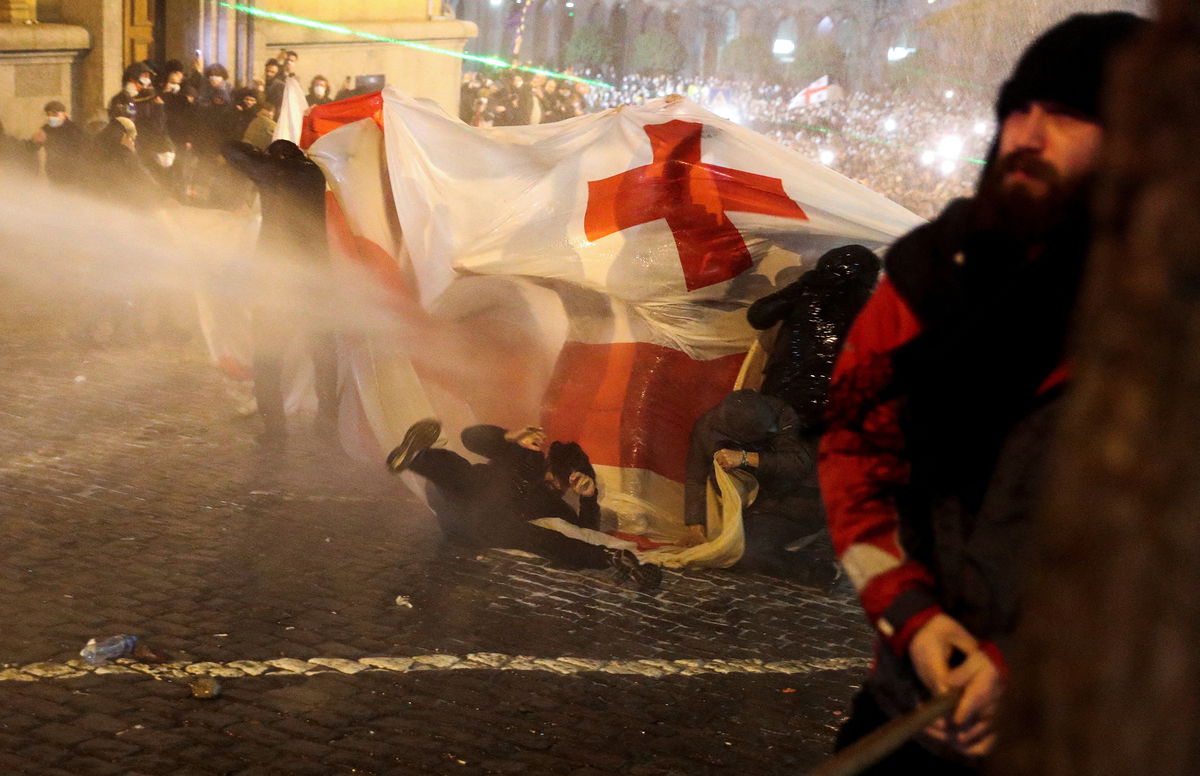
x=1067 y=64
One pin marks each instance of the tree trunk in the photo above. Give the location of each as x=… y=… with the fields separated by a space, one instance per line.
x=1107 y=667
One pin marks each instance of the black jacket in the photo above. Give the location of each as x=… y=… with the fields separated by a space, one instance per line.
x=118 y=176
x=815 y=312
x=786 y=472
x=67 y=150
x=981 y=388
x=516 y=477
x=293 y=201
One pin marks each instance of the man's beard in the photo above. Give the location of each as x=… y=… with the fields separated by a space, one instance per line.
x=1020 y=210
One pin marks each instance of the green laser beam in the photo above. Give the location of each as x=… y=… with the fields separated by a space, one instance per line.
x=491 y=61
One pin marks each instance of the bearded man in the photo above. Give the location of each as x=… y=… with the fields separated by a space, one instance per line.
x=944 y=400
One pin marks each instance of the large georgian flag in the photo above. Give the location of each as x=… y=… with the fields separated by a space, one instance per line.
x=594 y=271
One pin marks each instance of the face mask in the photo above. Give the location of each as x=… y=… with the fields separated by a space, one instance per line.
x=171 y=88
x=55 y=121
x=319 y=90
x=131 y=90
x=216 y=80
x=166 y=158
x=144 y=80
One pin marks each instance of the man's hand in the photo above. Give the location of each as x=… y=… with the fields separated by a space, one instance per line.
x=530 y=437
x=932 y=647
x=969 y=728
x=583 y=484
x=732 y=459
x=982 y=686
x=729 y=459
x=39 y=137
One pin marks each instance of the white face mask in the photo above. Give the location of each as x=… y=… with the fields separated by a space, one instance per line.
x=216 y=80
x=171 y=88
x=144 y=80
x=320 y=90
x=55 y=121
x=131 y=90
x=166 y=158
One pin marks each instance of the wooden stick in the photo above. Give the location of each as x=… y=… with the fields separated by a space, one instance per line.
x=869 y=750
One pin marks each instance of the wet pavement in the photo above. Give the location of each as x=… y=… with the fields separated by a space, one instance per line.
x=345 y=637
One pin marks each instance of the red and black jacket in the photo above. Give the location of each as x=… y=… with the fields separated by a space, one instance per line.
x=941 y=406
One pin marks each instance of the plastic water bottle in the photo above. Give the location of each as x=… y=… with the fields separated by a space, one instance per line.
x=98 y=653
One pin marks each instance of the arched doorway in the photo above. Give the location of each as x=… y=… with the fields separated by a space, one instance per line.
x=731 y=27
x=541 y=33
x=786 y=40
x=566 y=28
x=618 y=23
x=714 y=38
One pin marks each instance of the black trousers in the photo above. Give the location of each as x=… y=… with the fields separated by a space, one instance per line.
x=475 y=506
x=910 y=759
x=271 y=335
x=766 y=536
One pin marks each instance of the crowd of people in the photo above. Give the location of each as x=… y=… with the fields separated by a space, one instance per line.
x=920 y=149
x=166 y=124
x=515 y=98
x=919 y=152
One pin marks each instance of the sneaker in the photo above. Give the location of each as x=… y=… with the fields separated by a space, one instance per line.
x=648 y=577
x=623 y=562
x=625 y=565
x=419 y=438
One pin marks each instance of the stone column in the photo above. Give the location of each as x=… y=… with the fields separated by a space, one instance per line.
x=18 y=11
x=37 y=65
x=99 y=72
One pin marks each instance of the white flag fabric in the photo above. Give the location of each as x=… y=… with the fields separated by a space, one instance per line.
x=591 y=275
x=290 y=123
x=817 y=91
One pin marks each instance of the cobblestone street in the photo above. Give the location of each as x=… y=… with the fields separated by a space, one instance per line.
x=345 y=636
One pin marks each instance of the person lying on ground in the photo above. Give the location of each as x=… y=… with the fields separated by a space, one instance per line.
x=524 y=478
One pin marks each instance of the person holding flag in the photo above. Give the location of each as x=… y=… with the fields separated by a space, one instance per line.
x=292 y=236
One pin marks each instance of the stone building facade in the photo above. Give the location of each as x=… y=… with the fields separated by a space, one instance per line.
x=76 y=50
x=864 y=31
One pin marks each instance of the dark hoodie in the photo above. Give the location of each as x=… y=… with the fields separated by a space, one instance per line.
x=815 y=312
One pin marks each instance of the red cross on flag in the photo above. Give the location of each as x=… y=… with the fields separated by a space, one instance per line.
x=591 y=275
